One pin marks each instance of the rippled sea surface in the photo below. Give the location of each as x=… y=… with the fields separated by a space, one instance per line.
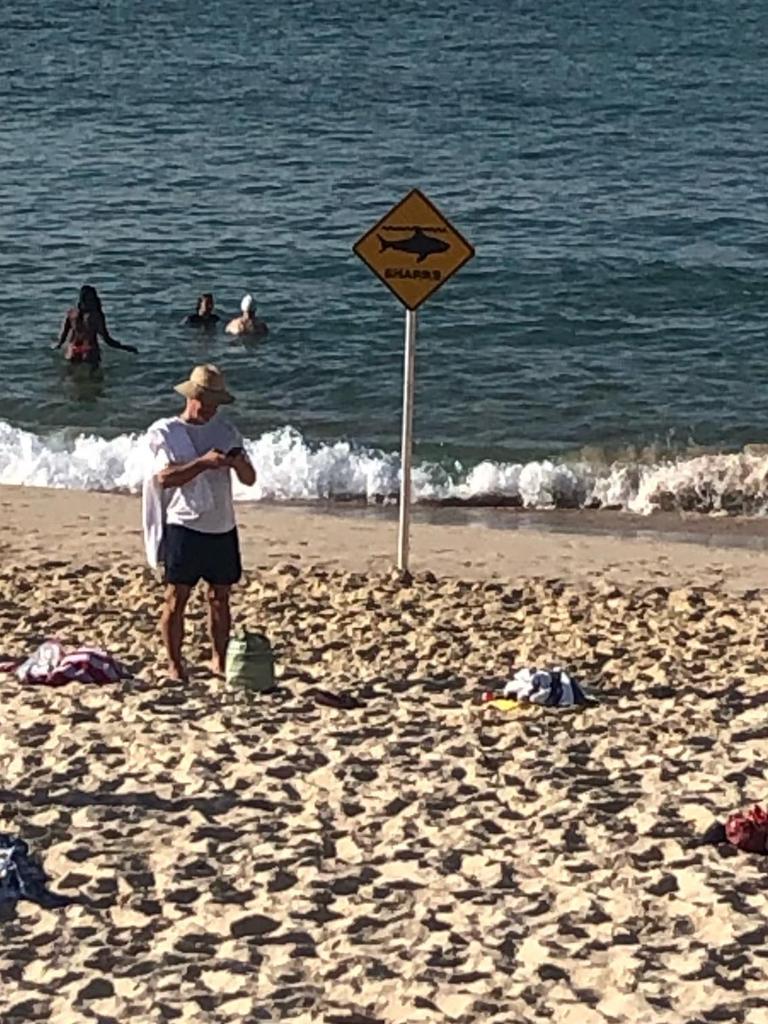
x=606 y=160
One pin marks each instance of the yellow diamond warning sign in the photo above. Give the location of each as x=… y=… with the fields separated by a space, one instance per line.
x=414 y=249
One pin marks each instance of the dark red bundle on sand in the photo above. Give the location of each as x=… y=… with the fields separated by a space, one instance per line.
x=748 y=830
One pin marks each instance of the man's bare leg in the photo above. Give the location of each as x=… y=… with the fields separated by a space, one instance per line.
x=172 y=627
x=219 y=625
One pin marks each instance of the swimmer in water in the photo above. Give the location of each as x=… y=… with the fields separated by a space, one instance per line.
x=204 y=317
x=82 y=327
x=248 y=322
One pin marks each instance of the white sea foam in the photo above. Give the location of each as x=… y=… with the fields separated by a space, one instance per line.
x=290 y=469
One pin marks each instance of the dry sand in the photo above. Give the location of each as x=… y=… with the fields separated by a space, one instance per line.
x=419 y=859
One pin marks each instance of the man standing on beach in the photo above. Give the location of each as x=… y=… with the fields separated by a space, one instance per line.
x=189 y=516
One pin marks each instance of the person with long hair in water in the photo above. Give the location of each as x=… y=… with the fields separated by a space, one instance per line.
x=82 y=328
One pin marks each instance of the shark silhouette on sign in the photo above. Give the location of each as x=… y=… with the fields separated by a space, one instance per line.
x=419 y=244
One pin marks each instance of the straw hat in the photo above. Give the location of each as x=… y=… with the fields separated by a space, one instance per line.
x=207 y=383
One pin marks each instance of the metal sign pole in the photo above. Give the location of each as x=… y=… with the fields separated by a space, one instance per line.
x=404 y=532
x=395 y=248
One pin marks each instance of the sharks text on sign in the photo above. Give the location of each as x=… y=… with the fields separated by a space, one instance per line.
x=424 y=275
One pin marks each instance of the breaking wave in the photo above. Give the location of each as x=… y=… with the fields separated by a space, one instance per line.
x=291 y=469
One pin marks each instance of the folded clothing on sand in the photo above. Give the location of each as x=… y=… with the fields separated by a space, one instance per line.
x=53 y=665
x=21 y=877
x=552 y=688
x=746 y=830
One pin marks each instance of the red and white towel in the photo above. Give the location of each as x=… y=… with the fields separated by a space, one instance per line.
x=53 y=665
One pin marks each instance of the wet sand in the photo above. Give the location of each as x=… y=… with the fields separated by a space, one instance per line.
x=42 y=523
x=421 y=858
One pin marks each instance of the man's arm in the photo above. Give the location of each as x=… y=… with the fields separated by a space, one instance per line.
x=179 y=473
x=243 y=468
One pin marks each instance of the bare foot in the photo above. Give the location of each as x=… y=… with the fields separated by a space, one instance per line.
x=216 y=669
x=177 y=673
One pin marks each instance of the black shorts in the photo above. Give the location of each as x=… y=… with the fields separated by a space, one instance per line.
x=190 y=556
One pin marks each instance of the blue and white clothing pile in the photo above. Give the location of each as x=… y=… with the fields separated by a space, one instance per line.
x=21 y=877
x=552 y=688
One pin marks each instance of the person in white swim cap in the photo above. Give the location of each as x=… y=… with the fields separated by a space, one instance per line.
x=247 y=322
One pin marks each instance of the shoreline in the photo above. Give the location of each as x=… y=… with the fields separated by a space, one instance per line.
x=89 y=527
x=677 y=527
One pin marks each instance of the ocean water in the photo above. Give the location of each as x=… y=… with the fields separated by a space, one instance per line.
x=607 y=345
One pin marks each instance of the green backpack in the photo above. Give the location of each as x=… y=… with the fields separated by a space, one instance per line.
x=250 y=662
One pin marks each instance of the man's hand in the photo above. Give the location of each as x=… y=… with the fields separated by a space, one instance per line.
x=236 y=457
x=130 y=348
x=214 y=459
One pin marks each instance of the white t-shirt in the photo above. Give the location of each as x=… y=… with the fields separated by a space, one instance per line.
x=216 y=433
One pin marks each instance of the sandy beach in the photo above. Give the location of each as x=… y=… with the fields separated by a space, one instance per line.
x=421 y=858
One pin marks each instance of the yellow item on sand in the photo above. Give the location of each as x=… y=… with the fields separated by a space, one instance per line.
x=510 y=706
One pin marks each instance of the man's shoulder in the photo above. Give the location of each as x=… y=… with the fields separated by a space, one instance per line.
x=161 y=428
x=224 y=424
x=164 y=422
x=225 y=434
